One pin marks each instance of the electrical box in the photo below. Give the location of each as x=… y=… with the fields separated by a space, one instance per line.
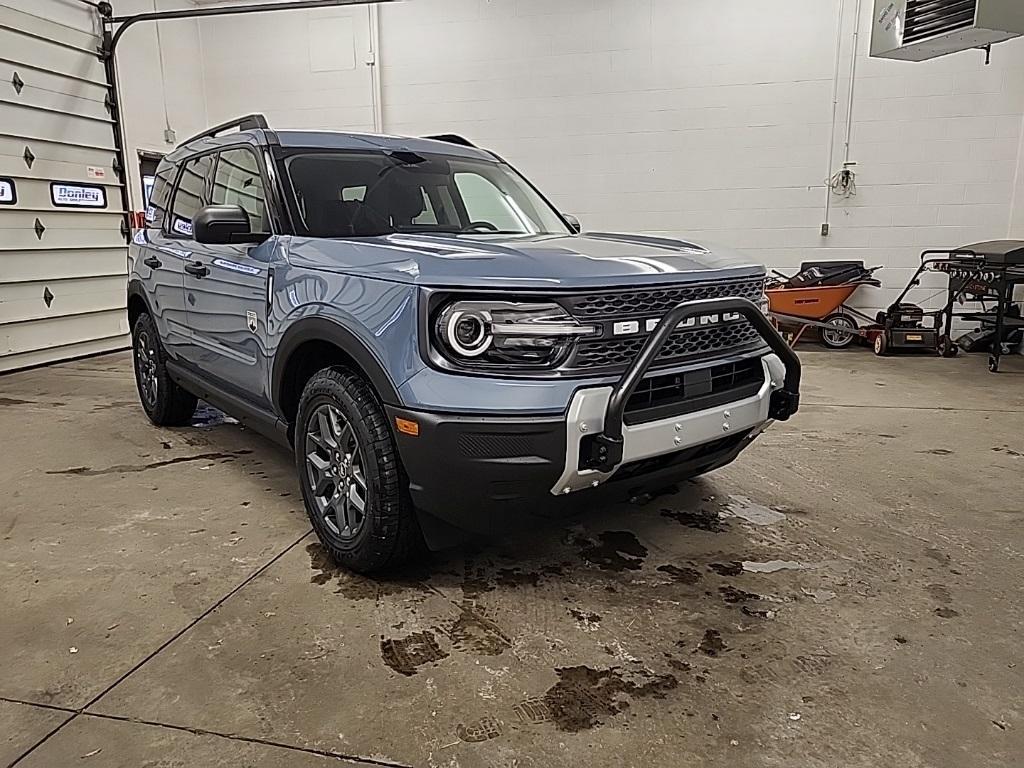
x=916 y=30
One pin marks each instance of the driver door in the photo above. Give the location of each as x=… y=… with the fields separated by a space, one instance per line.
x=226 y=288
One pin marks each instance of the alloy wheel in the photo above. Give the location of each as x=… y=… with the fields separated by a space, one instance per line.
x=334 y=467
x=146 y=368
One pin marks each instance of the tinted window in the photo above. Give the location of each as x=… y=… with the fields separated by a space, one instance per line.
x=237 y=181
x=190 y=195
x=163 y=182
x=364 y=194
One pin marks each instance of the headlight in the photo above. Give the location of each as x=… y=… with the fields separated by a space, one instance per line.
x=481 y=334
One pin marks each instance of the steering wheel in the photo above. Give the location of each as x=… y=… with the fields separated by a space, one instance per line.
x=484 y=225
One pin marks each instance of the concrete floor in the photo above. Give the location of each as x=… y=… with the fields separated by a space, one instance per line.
x=164 y=604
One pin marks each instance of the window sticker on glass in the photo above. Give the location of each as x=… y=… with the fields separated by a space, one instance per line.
x=150 y=213
x=77 y=195
x=182 y=227
x=8 y=195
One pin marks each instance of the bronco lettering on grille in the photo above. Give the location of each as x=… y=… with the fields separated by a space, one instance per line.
x=631 y=327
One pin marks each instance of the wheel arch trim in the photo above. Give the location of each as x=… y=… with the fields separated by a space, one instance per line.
x=323 y=329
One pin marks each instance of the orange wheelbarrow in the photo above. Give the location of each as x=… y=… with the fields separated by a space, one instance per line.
x=816 y=298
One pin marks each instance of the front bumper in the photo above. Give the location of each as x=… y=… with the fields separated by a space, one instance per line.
x=480 y=472
x=657 y=438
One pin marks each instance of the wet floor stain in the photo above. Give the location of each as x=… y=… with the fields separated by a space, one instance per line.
x=588 y=621
x=734 y=568
x=405 y=655
x=939 y=593
x=354 y=586
x=613 y=551
x=752 y=512
x=473 y=632
x=681 y=575
x=484 y=729
x=731 y=594
x=772 y=566
x=1008 y=451
x=121 y=469
x=946 y=613
x=208 y=416
x=701 y=519
x=712 y=644
x=18 y=401
x=584 y=697
x=936 y=452
x=113 y=404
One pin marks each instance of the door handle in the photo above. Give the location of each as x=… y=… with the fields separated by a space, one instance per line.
x=197 y=268
x=152 y=262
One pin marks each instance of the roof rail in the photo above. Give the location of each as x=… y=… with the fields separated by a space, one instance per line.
x=245 y=123
x=452 y=138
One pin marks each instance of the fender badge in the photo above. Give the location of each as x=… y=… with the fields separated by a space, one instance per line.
x=250 y=320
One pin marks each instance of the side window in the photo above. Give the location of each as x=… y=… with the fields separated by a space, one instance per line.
x=161 y=195
x=428 y=216
x=190 y=195
x=353 y=194
x=237 y=181
x=485 y=202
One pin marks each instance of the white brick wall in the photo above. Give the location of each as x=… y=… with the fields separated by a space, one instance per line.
x=709 y=119
x=143 y=88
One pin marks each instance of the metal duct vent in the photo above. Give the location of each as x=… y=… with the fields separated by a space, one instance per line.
x=916 y=30
x=927 y=18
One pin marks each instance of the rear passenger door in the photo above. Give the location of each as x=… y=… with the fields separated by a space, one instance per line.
x=168 y=247
x=226 y=290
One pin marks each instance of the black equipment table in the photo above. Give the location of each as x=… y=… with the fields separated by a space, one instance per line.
x=983 y=272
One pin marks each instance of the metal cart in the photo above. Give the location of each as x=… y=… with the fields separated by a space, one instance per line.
x=986 y=273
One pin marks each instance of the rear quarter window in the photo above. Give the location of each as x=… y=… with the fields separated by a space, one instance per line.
x=156 y=211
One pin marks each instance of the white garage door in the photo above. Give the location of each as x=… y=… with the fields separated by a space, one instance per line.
x=62 y=248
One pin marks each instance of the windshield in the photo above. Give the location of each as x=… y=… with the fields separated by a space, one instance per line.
x=364 y=194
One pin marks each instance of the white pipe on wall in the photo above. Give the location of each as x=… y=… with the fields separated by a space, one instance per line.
x=377 y=94
x=835 y=117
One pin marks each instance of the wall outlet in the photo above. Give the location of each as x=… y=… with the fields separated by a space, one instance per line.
x=824 y=230
x=170 y=136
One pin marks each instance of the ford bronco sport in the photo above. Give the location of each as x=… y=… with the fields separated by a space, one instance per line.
x=441 y=348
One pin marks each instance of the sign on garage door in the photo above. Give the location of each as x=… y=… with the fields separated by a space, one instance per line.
x=62 y=248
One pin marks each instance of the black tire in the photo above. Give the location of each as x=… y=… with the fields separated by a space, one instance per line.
x=880 y=345
x=384 y=533
x=165 y=403
x=947 y=347
x=838 y=339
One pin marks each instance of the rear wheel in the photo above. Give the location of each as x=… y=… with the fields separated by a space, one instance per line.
x=353 y=485
x=840 y=333
x=165 y=403
x=947 y=347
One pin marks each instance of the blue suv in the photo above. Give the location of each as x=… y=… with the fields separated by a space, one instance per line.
x=440 y=347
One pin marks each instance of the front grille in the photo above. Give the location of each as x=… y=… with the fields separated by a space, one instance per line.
x=657 y=301
x=928 y=18
x=662 y=397
x=612 y=352
x=683 y=344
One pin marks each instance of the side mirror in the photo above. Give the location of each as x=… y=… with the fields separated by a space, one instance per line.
x=224 y=225
x=573 y=222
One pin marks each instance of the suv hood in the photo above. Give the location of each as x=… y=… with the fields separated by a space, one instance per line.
x=534 y=262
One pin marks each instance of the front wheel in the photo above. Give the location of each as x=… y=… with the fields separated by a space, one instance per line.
x=165 y=403
x=353 y=485
x=881 y=344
